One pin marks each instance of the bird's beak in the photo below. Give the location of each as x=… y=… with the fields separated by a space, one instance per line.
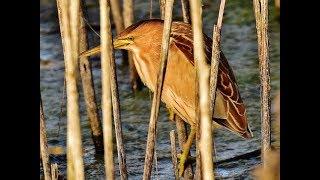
x=117 y=44
x=120 y=43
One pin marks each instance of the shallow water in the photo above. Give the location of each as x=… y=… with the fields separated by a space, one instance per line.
x=240 y=47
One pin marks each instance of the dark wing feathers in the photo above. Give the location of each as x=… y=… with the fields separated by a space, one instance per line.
x=226 y=82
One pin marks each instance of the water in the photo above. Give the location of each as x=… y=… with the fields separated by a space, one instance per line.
x=239 y=44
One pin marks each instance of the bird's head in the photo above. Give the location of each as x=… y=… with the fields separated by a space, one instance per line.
x=143 y=35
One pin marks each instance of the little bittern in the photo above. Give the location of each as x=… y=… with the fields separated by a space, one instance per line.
x=144 y=40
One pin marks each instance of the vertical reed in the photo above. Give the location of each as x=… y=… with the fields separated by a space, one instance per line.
x=106 y=58
x=44 y=146
x=174 y=154
x=158 y=91
x=162 y=4
x=185 y=11
x=261 y=15
x=128 y=20
x=69 y=21
x=88 y=87
x=215 y=56
x=204 y=104
x=54 y=171
x=150 y=8
x=180 y=124
x=116 y=15
x=116 y=105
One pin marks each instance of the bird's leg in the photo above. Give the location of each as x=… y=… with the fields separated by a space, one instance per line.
x=186 y=149
x=171 y=113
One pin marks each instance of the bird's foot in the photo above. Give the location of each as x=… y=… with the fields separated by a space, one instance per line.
x=183 y=161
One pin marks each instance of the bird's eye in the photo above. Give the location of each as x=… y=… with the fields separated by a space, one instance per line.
x=130 y=38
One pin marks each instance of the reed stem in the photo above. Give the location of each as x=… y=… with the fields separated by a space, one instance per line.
x=174 y=154
x=54 y=171
x=261 y=15
x=150 y=8
x=205 y=144
x=106 y=58
x=116 y=15
x=69 y=21
x=162 y=4
x=135 y=81
x=44 y=146
x=116 y=114
x=88 y=88
x=158 y=91
x=180 y=124
x=185 y=11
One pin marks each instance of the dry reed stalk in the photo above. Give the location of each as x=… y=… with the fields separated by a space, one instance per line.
x=215 y=61
x=150 y=8
x=162 y=4
x=116 y=106
x=69 y=21
x=116 y=15
x=205 y=112
x=88 y=88
x=106 y=58
x=158 y=91
x=185 y=11
x=128 y=20
x=44 y=146
x=54 y=171
x=261 y=14
x=174 y=154
x=118 y=21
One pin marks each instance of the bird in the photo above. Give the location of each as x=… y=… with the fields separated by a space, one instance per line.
x=144 y=38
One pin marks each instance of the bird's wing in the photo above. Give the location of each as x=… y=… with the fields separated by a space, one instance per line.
x=226 y=82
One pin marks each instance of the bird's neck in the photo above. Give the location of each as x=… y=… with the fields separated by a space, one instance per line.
x=147 y=67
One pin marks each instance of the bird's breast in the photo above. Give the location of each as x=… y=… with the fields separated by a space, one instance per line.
x=143 y=70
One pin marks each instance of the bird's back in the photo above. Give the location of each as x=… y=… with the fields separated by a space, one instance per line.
x=230 y=110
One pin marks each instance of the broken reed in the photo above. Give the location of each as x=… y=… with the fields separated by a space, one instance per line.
x=261 y=15
x=69 y=21
x=44 y=146
x=158 y=91
x=88 y=87
x=106 y=58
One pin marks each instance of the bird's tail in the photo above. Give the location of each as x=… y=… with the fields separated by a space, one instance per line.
x=226 y=115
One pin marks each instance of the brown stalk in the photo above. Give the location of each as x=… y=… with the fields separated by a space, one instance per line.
x=261 y=14
x=157 y=94
x=128 y=20
x=186 y=11
x=44 y=146
x=88 y=88
x=174 y=154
